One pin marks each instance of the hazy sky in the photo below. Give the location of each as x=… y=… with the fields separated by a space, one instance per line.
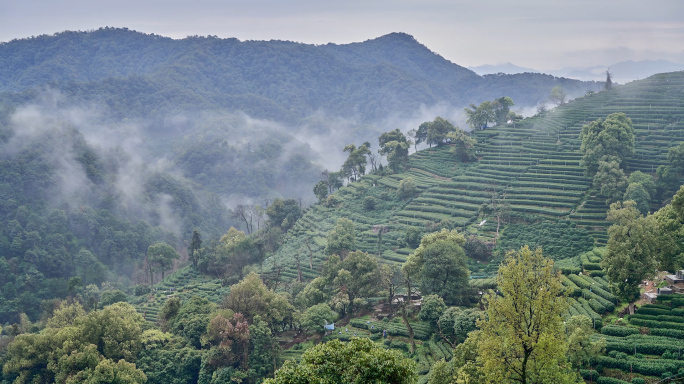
x=541 y=34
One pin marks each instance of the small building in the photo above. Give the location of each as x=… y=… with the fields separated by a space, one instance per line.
x=676 y=282
x=664 y=291
x=650 y=297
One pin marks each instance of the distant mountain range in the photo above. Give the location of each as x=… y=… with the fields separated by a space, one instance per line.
x=622 y=72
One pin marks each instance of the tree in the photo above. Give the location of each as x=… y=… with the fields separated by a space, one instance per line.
x=194 y=248
x=251 y=297
x=160 y=256
x=321 y=191
x=284 y=213
x=355 y=165
x=463 y=145
x=478 y=117
x=611 y=181
x=334 y=181
x=431 y=309
x=439 y=264
x=637 y=193
x=607 y=140
x=341 y=239
x=394 y=145
x=581 y=347
x=407 y=188
x=421 y=134
x=463 y=368
x=358 y=276
x=646 y=180
x=456 y=323
x=558 y=95
x=477 y=249
x=356 y=362
x=438 y=130
x=501 y=108
x=630 y=251
x=521 y=337
x=608 y=85
x=316 y=316
x=670 y=243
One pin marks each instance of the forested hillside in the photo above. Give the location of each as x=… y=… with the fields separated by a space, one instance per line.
x=139 y=75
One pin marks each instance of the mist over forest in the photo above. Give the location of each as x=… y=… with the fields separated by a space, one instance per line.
x=221 y=203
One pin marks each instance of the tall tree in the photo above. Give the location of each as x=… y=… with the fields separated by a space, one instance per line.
x=522 y=337
x=395 y=146
x=607 y=140
x=284 y=213
x=631 y=249
x=161 y=256
x=341 y=239
x=558 y=95
x=463 y=145
x=438 y=130
x=502 y=108
x=440 y=264
x=321 y=191
x=611 y=181
x=608 y=85
x=358 y=276
x=194 y=248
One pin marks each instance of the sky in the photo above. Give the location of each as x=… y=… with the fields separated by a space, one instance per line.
x=540 y=34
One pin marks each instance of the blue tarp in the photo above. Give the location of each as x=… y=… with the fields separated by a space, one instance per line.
x=330 y=327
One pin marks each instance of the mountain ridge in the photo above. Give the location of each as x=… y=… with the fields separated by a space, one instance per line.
x=281 y=80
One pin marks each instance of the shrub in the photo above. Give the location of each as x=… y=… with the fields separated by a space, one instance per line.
x=369 y=203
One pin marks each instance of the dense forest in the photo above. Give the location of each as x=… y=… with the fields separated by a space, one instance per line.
x=167 y=217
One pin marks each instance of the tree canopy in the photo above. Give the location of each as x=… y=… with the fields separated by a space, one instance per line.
x=522 y=337
x=355 y=362
x=607 y=140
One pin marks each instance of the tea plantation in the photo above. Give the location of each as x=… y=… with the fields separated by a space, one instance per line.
x=531 y=167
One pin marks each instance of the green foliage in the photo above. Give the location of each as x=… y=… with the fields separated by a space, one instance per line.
x=607 y=140
x=341 y=239
x=558 y=95
x=95 y=341
x=407 y=188
x=192 y=320
x=637 y=193
x=611 y=181
x=431 y=309
x=629 y=256
x=284 y=213
x=439 y=264
x=321 y=191
x=369 y=203
x=111 y=297
x=316 y=316
x=330 y=363
x=394 y=145
x=511 y=347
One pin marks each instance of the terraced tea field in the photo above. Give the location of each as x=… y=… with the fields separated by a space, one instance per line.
x=532 y=167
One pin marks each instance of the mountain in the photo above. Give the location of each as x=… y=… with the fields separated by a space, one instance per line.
x=114 y=140
x=506 y=68
x=286 y=81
